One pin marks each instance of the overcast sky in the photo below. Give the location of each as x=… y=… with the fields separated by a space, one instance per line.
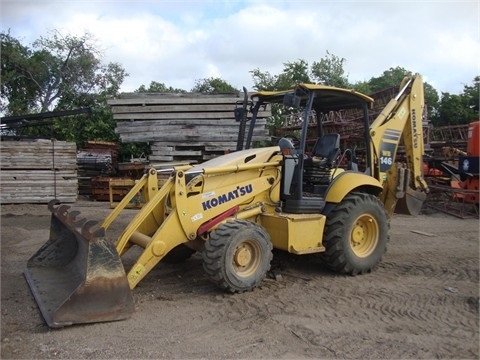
x=178 y=42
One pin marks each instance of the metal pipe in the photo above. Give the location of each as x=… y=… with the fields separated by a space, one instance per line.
x=140 y=239
x=245 y=214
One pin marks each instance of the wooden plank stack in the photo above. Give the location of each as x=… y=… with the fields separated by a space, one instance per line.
x=38 y=171
x=182 y=127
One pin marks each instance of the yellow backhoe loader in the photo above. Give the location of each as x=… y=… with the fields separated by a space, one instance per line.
x=236 y=208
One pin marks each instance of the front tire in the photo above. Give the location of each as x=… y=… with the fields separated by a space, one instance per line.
x=237 y=256
x=356 y=234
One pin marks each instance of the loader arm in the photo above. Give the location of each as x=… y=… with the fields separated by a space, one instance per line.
x=179 y=212
x=404 y=188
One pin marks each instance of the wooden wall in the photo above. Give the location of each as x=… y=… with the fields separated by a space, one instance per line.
x=37 y=171
x=182 y=127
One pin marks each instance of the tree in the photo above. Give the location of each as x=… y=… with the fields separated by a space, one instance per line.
x=293 y=73
x=431 y=101
x=296 y=72
x=60 y=73
x=389 y=78
x=471 y=95
x=330 y=71
x=18 y=94
x=156 y=87
x=451 y=110
x=392 y=78
x=362 y=87
x=263 y=80
x=459 y=109
x=213 y=86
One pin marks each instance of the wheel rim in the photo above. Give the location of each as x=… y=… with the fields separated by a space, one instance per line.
x=364 y=235
x=246 y=258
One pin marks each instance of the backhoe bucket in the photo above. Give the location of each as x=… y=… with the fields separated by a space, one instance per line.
x=411 y=203
x=77 y=275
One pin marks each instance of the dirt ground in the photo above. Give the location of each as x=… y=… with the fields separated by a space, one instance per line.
x=421 y=302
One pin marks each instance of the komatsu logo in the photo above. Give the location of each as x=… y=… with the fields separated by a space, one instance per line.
x=231 y=195
x=415 y=131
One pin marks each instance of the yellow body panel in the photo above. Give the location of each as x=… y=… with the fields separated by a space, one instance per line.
x=348 y=181
x=295 y=233
x=196 y=210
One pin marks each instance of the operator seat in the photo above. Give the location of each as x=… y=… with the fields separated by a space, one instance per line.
x=326 y=150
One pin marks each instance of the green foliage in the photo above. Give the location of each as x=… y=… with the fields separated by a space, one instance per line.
x=389 y=78
x=18 y=94
x=133 y=150
x=451 y=110
x=472 y=97
x=393 y=77
x=362 y=87
x=60 y=73
x=213 y=86
x=431 y=100
x=263 y=80
x=459 y=109
x=330 y=71
x=296 y=72
x=156 y=87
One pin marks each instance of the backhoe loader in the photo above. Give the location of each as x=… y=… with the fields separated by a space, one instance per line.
x=236 y=208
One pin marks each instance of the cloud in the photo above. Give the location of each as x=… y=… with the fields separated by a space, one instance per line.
x=178 y=42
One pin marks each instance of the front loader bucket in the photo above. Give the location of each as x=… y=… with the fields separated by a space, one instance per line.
x=77 y=275
x=411 y=203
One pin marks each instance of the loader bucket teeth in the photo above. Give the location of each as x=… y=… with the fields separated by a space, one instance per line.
x=77 y=275
x=411 y=203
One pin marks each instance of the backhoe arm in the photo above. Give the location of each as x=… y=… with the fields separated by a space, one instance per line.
x=401 y=121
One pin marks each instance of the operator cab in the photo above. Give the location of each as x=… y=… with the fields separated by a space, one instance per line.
x=313 y=158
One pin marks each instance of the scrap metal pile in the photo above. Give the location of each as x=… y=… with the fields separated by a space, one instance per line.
x=454 y=174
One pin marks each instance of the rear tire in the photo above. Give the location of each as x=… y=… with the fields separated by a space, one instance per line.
x=356 y=234
x=237 y=256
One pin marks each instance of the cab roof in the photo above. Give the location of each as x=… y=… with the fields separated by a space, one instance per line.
x=327 y=98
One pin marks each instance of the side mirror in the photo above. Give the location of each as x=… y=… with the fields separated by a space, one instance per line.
x=291 y=100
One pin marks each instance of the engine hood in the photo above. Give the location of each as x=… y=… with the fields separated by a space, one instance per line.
x=250 y=156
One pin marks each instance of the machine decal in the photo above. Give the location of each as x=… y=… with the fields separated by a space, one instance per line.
x=401 y=112
x=208 y=194
x=414 y=129
x=388 y=148
x=391 y=134
x=224 y=198
x=387 y=154
x=196 y=217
